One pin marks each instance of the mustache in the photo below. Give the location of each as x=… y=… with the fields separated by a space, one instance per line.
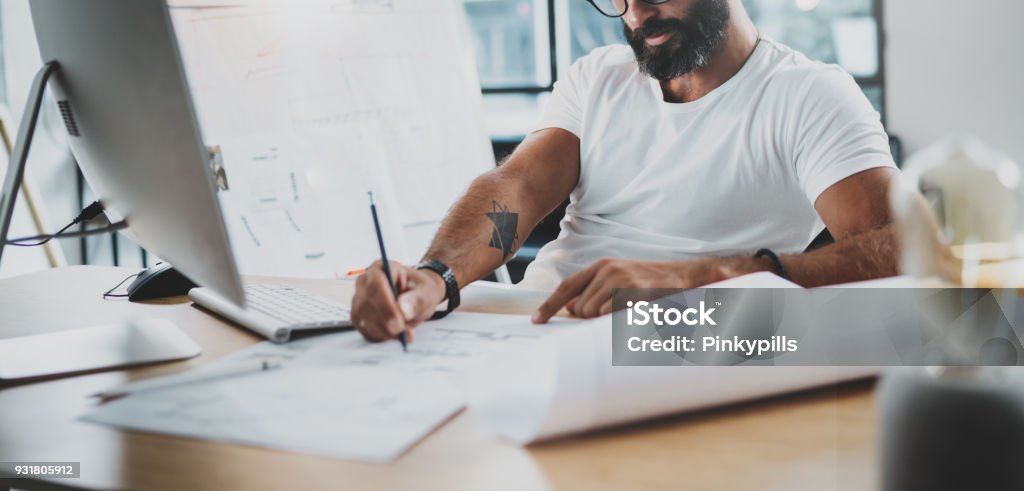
x=654 y=27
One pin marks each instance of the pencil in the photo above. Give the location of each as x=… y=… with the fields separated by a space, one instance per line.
x=187 y=378
x=384 y=264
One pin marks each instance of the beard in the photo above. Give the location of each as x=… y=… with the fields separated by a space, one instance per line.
x=694 y=41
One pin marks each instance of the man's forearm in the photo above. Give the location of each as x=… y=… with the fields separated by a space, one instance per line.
x=870 y=255
x=867 y=256
x=486 y=227
x=483 y=229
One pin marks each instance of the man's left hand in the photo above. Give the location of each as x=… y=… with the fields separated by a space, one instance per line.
x=588 y=293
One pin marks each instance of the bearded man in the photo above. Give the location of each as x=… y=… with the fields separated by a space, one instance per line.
x=700 y=152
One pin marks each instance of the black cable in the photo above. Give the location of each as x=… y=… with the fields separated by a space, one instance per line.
x=113 y=227
x=43 y=238
x=109 y=293
x=90 y=212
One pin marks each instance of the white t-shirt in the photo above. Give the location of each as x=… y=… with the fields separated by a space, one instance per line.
x=733 y=172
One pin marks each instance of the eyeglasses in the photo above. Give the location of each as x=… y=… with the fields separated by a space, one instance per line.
x=618 y=8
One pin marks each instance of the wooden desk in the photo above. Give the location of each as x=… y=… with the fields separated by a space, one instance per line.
x=814 y=440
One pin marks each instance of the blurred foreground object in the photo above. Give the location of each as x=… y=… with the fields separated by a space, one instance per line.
x=952 y=428
x=958 y=208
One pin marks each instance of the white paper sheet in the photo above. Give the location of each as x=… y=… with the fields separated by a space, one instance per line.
x=893 y=282
x=450 y=345
x=528 y=382
x=336 y=395
x=355 y=413
x=578 y=389
x=755 y=280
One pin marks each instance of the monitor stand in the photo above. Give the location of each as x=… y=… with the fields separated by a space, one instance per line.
x=16 y=166
x=83 y=350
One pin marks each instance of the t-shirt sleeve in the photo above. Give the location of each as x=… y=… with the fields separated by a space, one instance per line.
x=565 y=106
x=839 y=133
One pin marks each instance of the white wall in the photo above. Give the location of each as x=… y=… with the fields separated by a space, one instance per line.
x=956 y=66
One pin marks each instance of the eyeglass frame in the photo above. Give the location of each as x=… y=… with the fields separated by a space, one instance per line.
x=626 y=2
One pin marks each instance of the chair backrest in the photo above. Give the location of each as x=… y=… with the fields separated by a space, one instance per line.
x=503 y=275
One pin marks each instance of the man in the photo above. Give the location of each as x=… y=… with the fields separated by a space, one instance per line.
x=683 y=154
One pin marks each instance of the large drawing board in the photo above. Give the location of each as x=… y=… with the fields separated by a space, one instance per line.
x=315 y=103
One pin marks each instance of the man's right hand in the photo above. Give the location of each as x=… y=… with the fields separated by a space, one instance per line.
x=376 y=313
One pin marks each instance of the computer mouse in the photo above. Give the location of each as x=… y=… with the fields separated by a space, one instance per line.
x=160 y=281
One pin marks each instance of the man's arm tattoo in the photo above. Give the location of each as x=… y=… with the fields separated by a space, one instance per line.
x=503 y=235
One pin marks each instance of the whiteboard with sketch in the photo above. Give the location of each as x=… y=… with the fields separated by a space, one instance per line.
x=314 y=103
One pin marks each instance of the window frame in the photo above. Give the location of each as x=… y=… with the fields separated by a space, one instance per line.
x=878 y=79
x=552 y=62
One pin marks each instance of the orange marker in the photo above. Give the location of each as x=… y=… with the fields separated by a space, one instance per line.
x=356 y=272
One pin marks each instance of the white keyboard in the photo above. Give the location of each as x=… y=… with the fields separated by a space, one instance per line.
x=275 y=311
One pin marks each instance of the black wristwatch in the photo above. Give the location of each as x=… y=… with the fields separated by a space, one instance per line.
x=451 y=287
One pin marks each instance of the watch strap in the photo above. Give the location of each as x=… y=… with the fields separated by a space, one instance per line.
x=451 y=286
x=777 y=267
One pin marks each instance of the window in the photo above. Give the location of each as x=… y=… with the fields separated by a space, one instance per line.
x=516 y=40
x=587 y=30
x=844 y=32
x=513 y=52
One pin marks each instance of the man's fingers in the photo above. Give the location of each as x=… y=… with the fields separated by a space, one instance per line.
x=606 y=308
x=597 y=294
x=375 y=312
x=385 y=323
x=401 y=276
x=571 y=306
x=597 y=291
x=371 y=335
x=381 y=316
x=415 y=306
x=371 y=328
x=569 y=289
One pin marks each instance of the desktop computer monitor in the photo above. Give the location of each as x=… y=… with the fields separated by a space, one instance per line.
x=122 y=91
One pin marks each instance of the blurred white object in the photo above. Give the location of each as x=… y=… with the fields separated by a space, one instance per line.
x=958 y=205
x=88 y=349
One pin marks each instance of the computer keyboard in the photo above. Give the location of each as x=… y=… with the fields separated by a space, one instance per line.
x=275 y=311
